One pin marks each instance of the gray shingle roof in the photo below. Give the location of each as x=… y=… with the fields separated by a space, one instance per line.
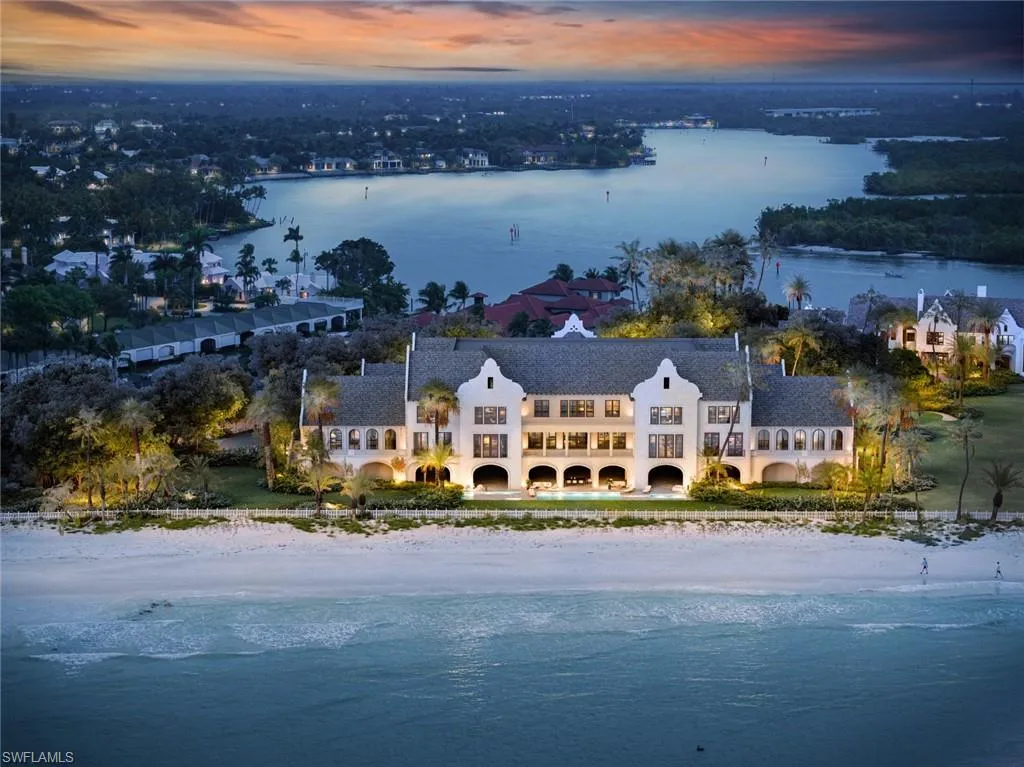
x=234 y=322
x=574 y=366
x=798 y=401
x=369 y=401
x=385 y=369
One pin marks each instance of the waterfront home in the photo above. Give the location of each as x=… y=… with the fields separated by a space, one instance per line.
x=329 y=164
x=820 y=112
x=11 y=145
x=556 y=300
x=930 y=323
x=264 y=166
x=385 y=159
x=474 y=158
x=541 y=155
x=64 y=127
x=578 y=412
x=146 y=125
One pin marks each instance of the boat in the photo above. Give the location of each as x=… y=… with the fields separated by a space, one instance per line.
x=894 y=275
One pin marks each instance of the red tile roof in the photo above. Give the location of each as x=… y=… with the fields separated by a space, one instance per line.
x=598 y=284
x=548 y=288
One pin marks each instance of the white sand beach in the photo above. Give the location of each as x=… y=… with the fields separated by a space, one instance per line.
x=43 y=570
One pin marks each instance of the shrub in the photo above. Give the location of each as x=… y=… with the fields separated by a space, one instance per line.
x=1003 y=377
x=237 y=456
x=919 y=484
x=288 y=481
x=974 y=388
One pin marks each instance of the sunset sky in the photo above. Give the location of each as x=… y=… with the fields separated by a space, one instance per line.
x=438 y=40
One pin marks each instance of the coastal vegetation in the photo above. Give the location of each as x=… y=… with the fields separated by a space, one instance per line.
x=950 y=167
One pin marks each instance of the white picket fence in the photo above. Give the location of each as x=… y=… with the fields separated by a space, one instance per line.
x=660 y=515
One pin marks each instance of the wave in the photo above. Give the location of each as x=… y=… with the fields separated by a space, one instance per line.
x=882 y=628
x=77 y=659
x=973 y=586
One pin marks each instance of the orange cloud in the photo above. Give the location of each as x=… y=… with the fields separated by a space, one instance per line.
x=165 y=38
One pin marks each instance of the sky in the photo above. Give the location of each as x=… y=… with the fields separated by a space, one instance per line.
x=309 y=40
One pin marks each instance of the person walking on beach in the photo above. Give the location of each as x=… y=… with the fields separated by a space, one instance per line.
x=924 y=565
x=999 y=572
x=778 y=265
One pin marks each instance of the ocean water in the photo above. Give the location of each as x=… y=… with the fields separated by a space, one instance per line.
x=905 y=677
x=448 y=227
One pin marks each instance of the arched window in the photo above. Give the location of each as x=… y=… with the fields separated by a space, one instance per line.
x=353 y=439
x=764 y=440
x=799 y=440
x=837 y=439
x=782 y=440
x=335 y=439
x=371 y=439
x=818 y=439
x=390 y=440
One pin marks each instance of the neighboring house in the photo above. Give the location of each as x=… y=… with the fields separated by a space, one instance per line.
x=105 y=128
x=933 y=333
x=64 y=127
x=474 y=158
x=89 y=261
x=385 y=159
x=203 y=166
x=330 y=164
x=585 y=413
x=590 y=299
x=11 y=145
x=306 y=283
x=264 y=166
x=541 y=155
x=209 y=334
x=146 y=125
x=43 y=171
x=820 y=112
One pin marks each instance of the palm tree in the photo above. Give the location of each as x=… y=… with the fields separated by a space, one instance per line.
x=123 y=257
x=320 y=478
x=246 y=268
x=964 y=433
x=295 y=256
x=898 y=319
x=263 y=411
x=985 y=319
x=284 y=285
x=198 y=469
x=910 y=447
x=562 y=272
x=798 y=337
x=86 y=426
x=611 y=273
x=593 y=273
x=163 y=265
x=438 y=401
x=321 y=398
x=730 y=249
x=269 y=266
x=135 y=417
x=798 y=290
x=631 y=266
x=1002 y=477
x=964 y=352
x=196 y=243
x=768 y=245
x=460 y=293
x=357 y=486
x=434 y=298
x=436 y=458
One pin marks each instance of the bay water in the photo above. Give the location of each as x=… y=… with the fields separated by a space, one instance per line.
x=455 y=226
x=914 y=675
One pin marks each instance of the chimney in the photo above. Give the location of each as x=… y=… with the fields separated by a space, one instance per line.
x=783 y=362
x=920 y=302
x=362 y=366
x=414 y=341
x=982 y=291
x=737 y=337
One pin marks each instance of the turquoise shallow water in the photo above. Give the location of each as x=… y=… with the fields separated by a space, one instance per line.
x=876 y=678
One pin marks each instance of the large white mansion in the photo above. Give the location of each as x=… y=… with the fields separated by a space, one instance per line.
x=578 y=412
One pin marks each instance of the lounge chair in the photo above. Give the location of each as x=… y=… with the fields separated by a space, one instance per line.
x=647 y=490
x=627 y=490
x=678 y=488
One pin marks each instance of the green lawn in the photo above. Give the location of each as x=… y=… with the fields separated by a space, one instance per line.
x=596 y=504
x=241 y=485
x=1001 y=441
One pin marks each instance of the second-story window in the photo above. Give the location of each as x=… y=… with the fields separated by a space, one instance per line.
x=934 y=338
x=353 y=439
x=446 y=438
x=721 y=413
x=666 y=415
x=390 y=440
x=619 y=440
x=604 y=440
x=712 y=443
x=535 y=440
x=909 y=335
x=764 y=440
x=577 y=408
x=421 y=414
x=489 y=414
x=665 y=446
x=611 y=408
x=371 y=439
x=541 y=408
x=799 y=440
